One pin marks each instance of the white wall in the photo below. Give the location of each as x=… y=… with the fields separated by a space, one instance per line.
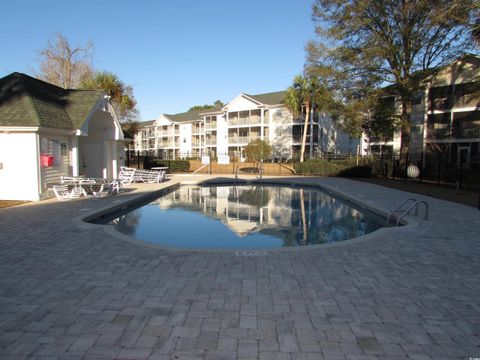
x=240 y=103
x=19 y=173
x=222 y=133
x=185 y=139
x=280 y=132
x=52 y=144
x=162 y=120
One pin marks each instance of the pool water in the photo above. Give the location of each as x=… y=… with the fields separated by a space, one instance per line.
x=246 y=217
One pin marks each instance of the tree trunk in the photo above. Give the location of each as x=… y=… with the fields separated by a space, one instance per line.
x=304 y=217
x=305 y=129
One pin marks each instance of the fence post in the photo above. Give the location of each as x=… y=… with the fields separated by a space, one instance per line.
x=138 y=159
x=439 y=167
x=421 y=168
x=406 y=166
x=394 y=166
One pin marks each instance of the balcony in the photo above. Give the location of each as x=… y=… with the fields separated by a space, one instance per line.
x=253 y=120
x=240 y=140
x=211 y=125
x=211 y=141
x=297 y=139
x=165 y=144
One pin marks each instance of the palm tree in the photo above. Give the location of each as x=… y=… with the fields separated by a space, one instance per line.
x=120 y=94
x=301 y=94
x=311 y=92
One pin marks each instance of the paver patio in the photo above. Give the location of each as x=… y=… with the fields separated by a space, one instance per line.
x=70 y=291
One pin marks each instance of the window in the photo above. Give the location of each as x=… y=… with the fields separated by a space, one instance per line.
x=417 y=98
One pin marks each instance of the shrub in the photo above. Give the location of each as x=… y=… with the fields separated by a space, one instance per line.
x=173 y=165
x=360 y=171
x=319 y=167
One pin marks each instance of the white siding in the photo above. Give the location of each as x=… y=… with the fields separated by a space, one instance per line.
x=240 y=103
x=19 y=159
x=222 y=135
x=185 y=139
x=280 y=133
x=52 y=145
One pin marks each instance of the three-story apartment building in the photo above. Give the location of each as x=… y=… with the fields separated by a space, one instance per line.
x=445 y=115
x=226 y=132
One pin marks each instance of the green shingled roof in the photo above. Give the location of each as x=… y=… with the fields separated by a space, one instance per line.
x=144 y=124
x=26 y=101
x=273 y=98
x=186 y=116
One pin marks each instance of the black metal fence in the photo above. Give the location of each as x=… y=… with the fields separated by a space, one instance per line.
x=435 y=167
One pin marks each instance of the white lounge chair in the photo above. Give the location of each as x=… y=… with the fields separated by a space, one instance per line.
x=126 y=175
x=69 y=179
x=106 y=189
x=62 y=192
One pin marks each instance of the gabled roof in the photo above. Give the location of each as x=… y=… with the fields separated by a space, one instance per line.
x=424 y=77
x=145 y=124
x=26 y=101
x=272 y=98
x=185 y=117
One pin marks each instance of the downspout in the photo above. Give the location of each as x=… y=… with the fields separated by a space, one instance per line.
x=38 y=167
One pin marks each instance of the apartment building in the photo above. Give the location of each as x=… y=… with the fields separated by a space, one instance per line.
x=225 y=132
x=445 y=115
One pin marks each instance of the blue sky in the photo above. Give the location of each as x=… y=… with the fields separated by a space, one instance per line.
x=175 y=54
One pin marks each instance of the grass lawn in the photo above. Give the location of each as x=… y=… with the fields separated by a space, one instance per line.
x=471 y=198
x=8 y=203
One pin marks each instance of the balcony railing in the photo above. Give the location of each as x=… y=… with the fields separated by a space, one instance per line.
x=210 y=125
x=297 y=139
x=211 y=141
x=256 y=120
x=242 y=139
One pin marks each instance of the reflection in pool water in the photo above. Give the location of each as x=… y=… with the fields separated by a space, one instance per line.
x=246 y=217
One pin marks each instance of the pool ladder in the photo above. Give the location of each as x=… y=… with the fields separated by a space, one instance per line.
x=412 y=204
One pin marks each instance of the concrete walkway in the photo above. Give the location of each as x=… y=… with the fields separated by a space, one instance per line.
x=70 y=291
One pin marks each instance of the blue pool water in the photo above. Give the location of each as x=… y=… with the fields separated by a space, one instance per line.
x=246 y=217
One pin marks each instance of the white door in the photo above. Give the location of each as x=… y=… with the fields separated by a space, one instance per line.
x=463 y=156
x=92 y=164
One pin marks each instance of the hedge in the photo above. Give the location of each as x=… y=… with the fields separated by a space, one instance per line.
x=332 y=168
x=361 y=171
x=320 y=167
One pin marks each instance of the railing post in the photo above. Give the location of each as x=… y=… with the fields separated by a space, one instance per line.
x=439 y=167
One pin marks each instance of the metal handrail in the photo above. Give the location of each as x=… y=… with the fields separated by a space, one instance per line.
x=398 y=207
x=415 y=205
x=200 y=168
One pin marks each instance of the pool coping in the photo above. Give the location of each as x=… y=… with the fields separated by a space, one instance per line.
x=409 y=222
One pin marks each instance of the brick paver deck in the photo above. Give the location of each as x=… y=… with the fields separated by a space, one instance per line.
x=70 y=291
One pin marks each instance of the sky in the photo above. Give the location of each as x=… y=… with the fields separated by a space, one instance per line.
x=174 y=53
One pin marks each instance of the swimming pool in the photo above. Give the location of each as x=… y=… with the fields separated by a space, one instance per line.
x=245 y=217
